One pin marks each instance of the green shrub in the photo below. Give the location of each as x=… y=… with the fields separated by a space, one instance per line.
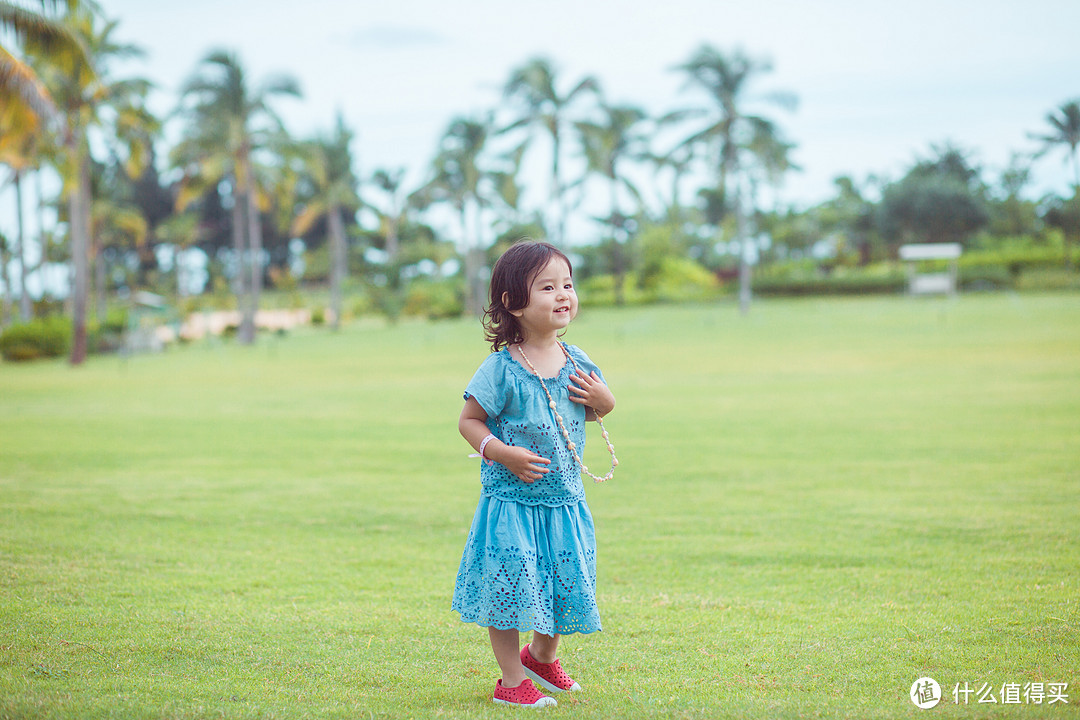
x=116 y=320
x=599 y=291
x=46 y=337
x=101 y=341
x=361 y=304
x=680 y=279
x=108 y=336
x=433 y=299
x=1049 y=280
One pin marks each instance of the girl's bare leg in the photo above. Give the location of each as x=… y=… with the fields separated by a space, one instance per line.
x=504 y=643
x=544 y=647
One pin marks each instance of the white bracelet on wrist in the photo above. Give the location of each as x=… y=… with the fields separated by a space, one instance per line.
x=483 y=445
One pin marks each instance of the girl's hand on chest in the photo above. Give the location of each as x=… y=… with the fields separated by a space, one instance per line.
x=590 y=390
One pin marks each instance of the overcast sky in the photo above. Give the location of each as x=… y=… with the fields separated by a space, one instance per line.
x=878 y=83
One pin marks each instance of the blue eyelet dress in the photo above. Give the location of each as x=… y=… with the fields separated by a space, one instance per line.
x=530 y=559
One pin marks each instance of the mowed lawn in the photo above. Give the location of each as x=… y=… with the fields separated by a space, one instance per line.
x=816 y=505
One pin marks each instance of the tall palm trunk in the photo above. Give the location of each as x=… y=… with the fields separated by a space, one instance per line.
x=618 y=261
x=473 y=305
x=744 y=251
x=249 y=209
x=79 y=222
x=26 y=309
x=100 y=281
x=256 y=246
x=557 y=195
x=26 y=303
x=1076 y=171
x=1076 y=199
x=392 y=235
x=244 y=300
x=5 y=302
x=338 y=262
x=236 y=282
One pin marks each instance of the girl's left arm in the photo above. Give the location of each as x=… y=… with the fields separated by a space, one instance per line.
x=590 y=391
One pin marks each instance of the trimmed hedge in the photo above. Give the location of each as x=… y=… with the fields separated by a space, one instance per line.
x=1017 y=259
x=985 y=277
x=1049 y=280
x=843 y=285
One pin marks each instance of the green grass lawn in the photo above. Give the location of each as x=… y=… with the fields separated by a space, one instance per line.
x=816 y=505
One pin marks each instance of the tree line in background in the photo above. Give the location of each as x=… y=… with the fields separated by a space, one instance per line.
x=650 y=207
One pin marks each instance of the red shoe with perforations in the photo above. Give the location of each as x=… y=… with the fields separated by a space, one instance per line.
x=524 y=695
x=549 y=676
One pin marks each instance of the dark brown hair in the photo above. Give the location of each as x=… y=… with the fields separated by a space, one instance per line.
x=512 y=275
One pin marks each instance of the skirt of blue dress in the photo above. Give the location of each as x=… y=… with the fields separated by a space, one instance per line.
x=529 y=567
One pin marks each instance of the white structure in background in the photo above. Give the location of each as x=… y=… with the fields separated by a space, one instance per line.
x=929 y=283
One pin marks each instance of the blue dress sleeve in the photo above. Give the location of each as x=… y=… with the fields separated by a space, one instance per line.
x=587 y=365
x=489 y=385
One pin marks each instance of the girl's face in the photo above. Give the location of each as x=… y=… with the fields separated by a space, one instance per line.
x=552 y=300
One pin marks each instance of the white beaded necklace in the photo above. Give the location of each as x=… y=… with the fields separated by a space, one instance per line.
x=566 y=433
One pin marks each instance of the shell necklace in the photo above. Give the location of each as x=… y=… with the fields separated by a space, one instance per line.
x=566 y=433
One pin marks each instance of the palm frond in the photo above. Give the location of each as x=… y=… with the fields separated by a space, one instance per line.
x=20 y=85
x=308 y=217
x=589 y=84
x=28 y=25
x=281 y=85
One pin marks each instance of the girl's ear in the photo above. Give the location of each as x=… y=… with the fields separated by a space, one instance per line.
x=506 y=302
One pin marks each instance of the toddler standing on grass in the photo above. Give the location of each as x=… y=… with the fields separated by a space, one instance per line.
x=530 y=559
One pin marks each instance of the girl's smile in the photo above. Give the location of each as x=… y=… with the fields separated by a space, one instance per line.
x=552 y=300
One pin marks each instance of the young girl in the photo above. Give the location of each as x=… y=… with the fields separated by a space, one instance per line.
x=530 y=560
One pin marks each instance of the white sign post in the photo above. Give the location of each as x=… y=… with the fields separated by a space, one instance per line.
x=942 y=283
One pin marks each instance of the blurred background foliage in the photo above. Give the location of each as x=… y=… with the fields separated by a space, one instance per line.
x=240 y=214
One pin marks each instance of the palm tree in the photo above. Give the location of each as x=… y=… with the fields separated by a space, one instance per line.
x=1065 y=133
x=679 y=161
x=731 y=134
x=534 y=85
x=25 y=102
x=86 y=100
x=333 y=192
x=389 y=181
x=607 y=145
x=181 y=232
x=5 y=279
x=113 y=224
x=459 y=181
x=506 y=186
x=770 y=158
x=228 y=122
x=849 y=215
x=20 y=128
x=40 y=35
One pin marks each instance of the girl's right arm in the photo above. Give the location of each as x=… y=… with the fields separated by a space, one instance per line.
x=525 y=465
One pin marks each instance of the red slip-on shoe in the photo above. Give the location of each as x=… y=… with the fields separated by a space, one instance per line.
x=524 y=695
x=549 y=676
